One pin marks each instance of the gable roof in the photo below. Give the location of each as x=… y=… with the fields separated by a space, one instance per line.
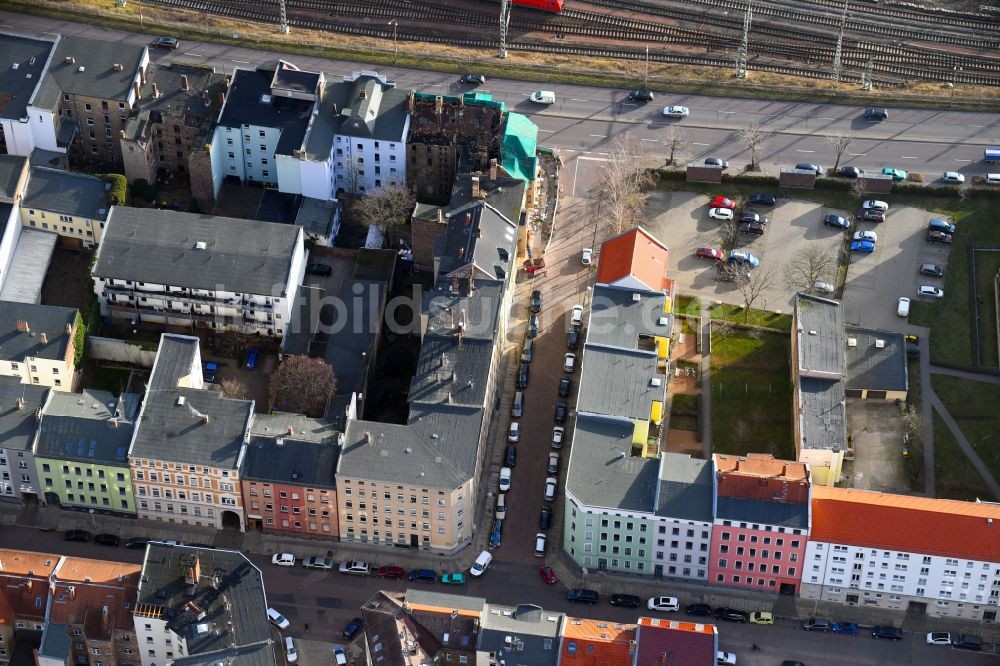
x=66 y=192
x=633 y=254
x=870 y=519
x=661 y=641
x=596 y=643
x=306 y=457
x=49 y=321
x=518 y=146
x=370 y=107
x=93 y=72
x=528 y=630
x=84 y=588
x=17 y=420
x=480 y=235
x=19 y=567
x=92 y=426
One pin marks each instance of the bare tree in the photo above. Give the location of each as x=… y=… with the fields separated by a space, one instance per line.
x=675 y=139
x=858 y=188
x=730 y=231
x=385 y=208
x=751 y=284
x=623 y=184
x=812 y=265
x=233 y=388
x=302 y=384
x=840 y=142
x=756 y=136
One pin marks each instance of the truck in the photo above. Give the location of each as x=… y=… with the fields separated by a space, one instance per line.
x=991 y=155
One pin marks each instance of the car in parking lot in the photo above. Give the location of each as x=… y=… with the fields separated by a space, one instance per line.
x=725 y=658
x=731 y=615
x=481 y=564
x=866 y=236
x=871 y=215
x=676 y=111
x=838 y=221
x=339 y=656
x=862 y=246
x=761 y=617
x=352 y=628
x=698 y=610
x=851 y=171
x=252 y=358
x=505 y=474
x=560 y=413
x=752 y=228
x=422 y=576
x=550 y=488
x=941 y=225
x=545 y=517
x=876 y=204
x=76 y=535
x=663 y=604
x=557 y=437
x=938 y=238
x=547 y=574
x=355 y=568
x=903 y=307
x=912 y=345
x=929 y=291
x=877 y=113
x=319 y=269
x=812 y=624
x=496 y=534
x=536 y=301
x=743 y=258
x=472 y=79
x=390 y=572
x=762 y=200
x=565 y=386
x=209 y=370
x=277 y=619
x=522 y=376
x=809 y=166
x=569 y=362
x=641 y=95
x=932 y=270
x=849 y=628
x=888 y=633
x=166 y=42
x=625 y=600
x=576 y=315
x=897 y=174
x=939 y=638
x=823 y=287
x=283 y=559
x=453 y=579
x=968 y=642
x=107 y=540
x=720 y=201
x=953 y=177
x=720 y=213
x=754 y=218
x=712 y=253
x=716 y=162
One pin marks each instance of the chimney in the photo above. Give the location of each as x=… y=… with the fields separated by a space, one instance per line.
x=222 y=98
x=192 y=572
x=114 y=422
x=20 y=404
x=71 y=592
x=156 y=90
x=468 y=218
x=204 y=418
x=69 y=329
x=70 y=60
x=494 y=169
x=138 y=90
x=410 y=101
x=439 y=105
x=206 y=98
x=117 y=67
x=142 y=75
x=38 y=414
x=362 y=93
x=23 y=326
x=440 y=216
x=43 y=338
x=368 y=436
x=184 y=81
x=291 y=431
x=476 y=192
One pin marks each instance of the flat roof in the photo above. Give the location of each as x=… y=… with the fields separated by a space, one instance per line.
x=29 y=265
x=619 y=317
x=820 y=332
x=11 y=168
x=794 y=516
x=30 y=57
x=250 y=102
x=823 y=416
x=877 y=361
x=66 y=192
x=686 y=488
x=620 y=382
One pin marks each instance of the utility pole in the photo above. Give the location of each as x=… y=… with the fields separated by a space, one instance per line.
x=866 y=76
x=504 y=23
x=395 y=50
x=741 y=55
x=283 y=17
x=645 y=79
x=838 y=54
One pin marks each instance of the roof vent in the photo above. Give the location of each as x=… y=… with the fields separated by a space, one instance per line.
x=265 y=99
x=655 y=381
x=180 y=400
x=118 y=67
x=852 y=342
x=200 y=245
x=16 y=65
x=636 y=298
x=813 y=333
x=70 y=60
x=81 y=69
x=880 y=344
x=407 y=450
x=663 y=321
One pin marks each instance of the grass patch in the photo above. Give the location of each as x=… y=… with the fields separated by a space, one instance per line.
x=757 y=318
x=975 y=411
x=987 y=267
x=751 y=394
x=687 y=305
x=954 y=477
x=104 y=378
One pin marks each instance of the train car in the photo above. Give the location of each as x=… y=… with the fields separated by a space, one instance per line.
x=544 y=5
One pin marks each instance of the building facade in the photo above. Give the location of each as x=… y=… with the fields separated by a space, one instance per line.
x=22 y=406
x=40 y=347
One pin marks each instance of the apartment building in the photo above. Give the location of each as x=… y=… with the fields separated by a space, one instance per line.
x=25 y=582
x=288 y=476
x=39 y=344
x=21 y=408
x=72 y=205
x=915 y=554
x=761 y=524
x=201 y=271
x=188 y=443
x=81 y=451
x=198 y=605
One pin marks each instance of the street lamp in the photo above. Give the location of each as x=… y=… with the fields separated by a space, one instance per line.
x=394 y=23
x=93 y=521
x=954 y=79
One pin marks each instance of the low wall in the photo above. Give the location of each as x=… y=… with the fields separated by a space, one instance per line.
x=120 y=351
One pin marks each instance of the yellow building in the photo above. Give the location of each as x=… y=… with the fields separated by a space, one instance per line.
x=73 y=205
x=38 y=345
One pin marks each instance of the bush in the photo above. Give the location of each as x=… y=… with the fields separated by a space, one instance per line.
x=670 y=173
x=833 y=184
x=751 y=179
x=79 y=341
x=118 y=194
x=915 y=177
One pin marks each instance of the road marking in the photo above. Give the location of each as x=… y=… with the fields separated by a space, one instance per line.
x=197 y=55
x=573 y=99
x=594 y=159
x=826 y=119
x=550 y=131
x=907 y=157
x=979 y=126
x=857 y=154
x=244 y=62
x=963 y=160
x=599 y=136
x=805 y=151
x=653 y=140
x=699 y=144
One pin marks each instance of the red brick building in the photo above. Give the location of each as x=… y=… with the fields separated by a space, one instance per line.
x=661 y=641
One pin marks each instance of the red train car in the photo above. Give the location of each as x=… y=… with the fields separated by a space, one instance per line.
x=544 y=5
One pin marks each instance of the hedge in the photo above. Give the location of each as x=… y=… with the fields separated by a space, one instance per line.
x=118 y=195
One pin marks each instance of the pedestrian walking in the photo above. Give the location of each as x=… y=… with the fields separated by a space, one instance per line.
x=307 y=627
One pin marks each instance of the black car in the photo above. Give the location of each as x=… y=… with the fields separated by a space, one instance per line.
x=352 y=628
x=791 y=662
x=752 y=217
x=136 y=542
x=565 y=386
x=832 y=220
x=851 y=172
x=560 y=415
x=938 y=237
x=731 y=615
x=641 y=95
x=762 y=200
x=812 y=624
x=522 y=376
x=77 y=535
x=625 y=600
x=472 y=79
x=716 y=162
x=573 y=339
x=889 y=633
x=968 y=642
x=752 y=228
x=698 y=610
x=871 y=215
x=545 y=517
x=533 y=326
x=166 y=42
x=107 y=540
x=319 y=269
x=931 y=269
x=510 y=456
x=536 y=301
x=876 y=114
x=582 y=596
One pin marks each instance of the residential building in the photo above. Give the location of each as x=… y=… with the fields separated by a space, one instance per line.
x=634 y=259
x=915 y=554
x=201 y=271
x=661 y=641
x=19 y=136
x=761 y=523
x=876 y=365
x=13 y=178
x=188 y=443
x=288 y=476
x=73 y=205
x=523 y=634
x=39 y=346
x=416 y=484
x=55 y=647
x=587 y=642
x=81 y=451
x=25 y=581
x=6 y=628
x=20 y=408
x=199 y=606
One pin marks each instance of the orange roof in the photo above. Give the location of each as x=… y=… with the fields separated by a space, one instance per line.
x=596 y=642
x=25 y=577
x=761 y=465
x=427 y=608
x=946 y=528
x=98 y=571
x=634 y=253
x=678 y=625
x=23 y=563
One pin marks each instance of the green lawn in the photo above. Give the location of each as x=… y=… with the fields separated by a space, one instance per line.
x=973 y=405
x=954 y=478
x=757 y=318
x=687 y=305
x=751 y=394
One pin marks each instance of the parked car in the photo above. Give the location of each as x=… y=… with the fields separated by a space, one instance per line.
x=318 y=562
x=565 y=386
x=528 y=351
x=453 y=579
x=517 y=405
x=933 y=270
x=107 y=540
x=542 y=97
x=569 y=362
x=888 y=633
x=625 y=600
x=720 y=201
x=851 y=171
x=522 y=376
x=716 y=162
x=390 y=572
x=698 y=610
x=968 y=642
x=422 y=576
x=928 y=291
x=753 y=218
x=283 y=560
x=580 y=595
x=725 y=658
x=849 y=628
x=514 y=432
x=762 y=200
x=545 y=517
x=355 y=568
x=137 y=542
x=953 y=177
x=339 y=656
x=720 y=213
x=752 y=229
x=505 y=479
x=663 y=604
x=866 y=236
x=903 y=307
x=812 y=624
x=481 y=564
x=76 y=535
x=533 y=325
x=877 y=113
x=743 y=258
x=472 y=79
x=550 y=488
x=277 y=619
x=557 y=437
x=252 y=358
x=553 y=467
x=641 y=95
x=832 y=220
x=547 y=574
x=938 y=237
x=573 y=339
x=761 y=617
x=560 y=413
x=863 y=246
x=941 y=225
x=809 y=166
x=536 y=301
x=576 y=315
x=586 y=256
x=713 y=253
x=166 y=42
x=319 y=269
x=352 y=628
x=731 y=615
x=871 y=215
x=501 y=509
x=510 y=456
x=823 y=287
x=912 y=345
x=676 y=111
x=208 y=372
x=540 y=541
x=939 y=638
x=875 y=203
x=897 y=174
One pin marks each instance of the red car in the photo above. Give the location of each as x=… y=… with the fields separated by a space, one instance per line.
x=721 y=202
x=395 y=573
x=710 y=253
x=548 y=575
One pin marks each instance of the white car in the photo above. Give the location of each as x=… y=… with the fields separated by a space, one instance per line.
x=675 y=111
x=339 y=656
x=903 y=309
x=540 y=544
x=663 y=604
x=482 y=562
x=823 y=287
x=543 y=97
x=953 y=177
x=277 y=619
x=291 y=654
x=929 y=291
x=866 y=236
x=876 y=204
x=355 y=568
x=283 y=560
x=501 y=511
x=514 y=432
x=939 y=638
x=550 y=488
x=586 y=256
x=317 y=562
x=557 y=437
x=725 y=658
x=569 y=362
x=576 y=318
x=504 y=479
x=721 y=213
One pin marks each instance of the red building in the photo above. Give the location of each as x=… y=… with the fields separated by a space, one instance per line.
x=660 y=642
x=762 y=523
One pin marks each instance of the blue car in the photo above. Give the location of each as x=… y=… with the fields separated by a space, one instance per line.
x=209 y=371
x=743 y=257
x=252 y=358
x=495 y=534
x=942 y=226
x=862 y=246
x=849 y=628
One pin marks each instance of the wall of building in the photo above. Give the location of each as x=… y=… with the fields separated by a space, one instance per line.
x=825 y=465
x=17 y=137
x=681 y=548
x=363 y=165
x=8 y=242
x=292 y=509
x=185 y=494
x=72 y=483
x=151 y=636
x=764 y=558
x=18 y=474
x=604 y=540
x=316 y=179
x=84 y=229
x=101 y=122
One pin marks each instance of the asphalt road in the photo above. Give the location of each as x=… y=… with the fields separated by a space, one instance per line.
x=586 y=119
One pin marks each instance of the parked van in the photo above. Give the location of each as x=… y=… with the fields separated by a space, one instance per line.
x=517 y=407
x=543 y=97
x=993 y=179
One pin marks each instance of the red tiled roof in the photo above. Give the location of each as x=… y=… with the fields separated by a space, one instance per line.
x=662 y=642
x=633 y=253
x=596 y=643
x=946 y=528
x=25 y=578
x=6 y=610
x=759 y=476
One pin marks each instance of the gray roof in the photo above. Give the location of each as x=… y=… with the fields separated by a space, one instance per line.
x=26 y=274
x=56 y=643
x=67 y=193
x=84 y=426
x=175 y=358
x=877 y=362
x=173 y=103
x=316 y=216
x=18 y=426
x=97 y=59
x=822 y=417
x=370 y=109
x=820 y=332
x=687 y=489
x=158 y=246
x=618 y=320
x=480 y=235
x=445 y=600
x=348 y=341
x=289 y=77
x=11 y=168
x=51 y=320
x=438 y=447
x=480 y=309
x=602 y=471
x=505 y=194
x=795 y=516
x=306 y=457
x=619 y=382
x=533 y=632
x=230 y=590
x=442 y=357
x=318 y=140
x=250 y=102
x=16 y=82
